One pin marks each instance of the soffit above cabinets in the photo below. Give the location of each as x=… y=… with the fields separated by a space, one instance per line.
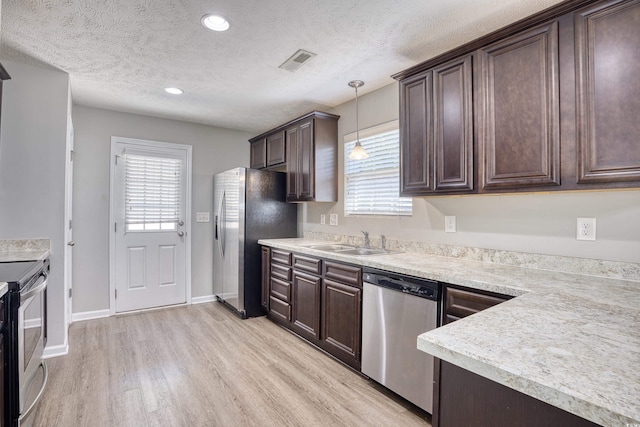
x=121 y=54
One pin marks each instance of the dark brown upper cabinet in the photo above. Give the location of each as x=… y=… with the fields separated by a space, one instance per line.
x=519 y=110
x=607 y=38
x=307 y=148
x=416 y=123
x=453 y=125
x=258 y=154
x=276 y=153
x=437 y=129
x=554 y=98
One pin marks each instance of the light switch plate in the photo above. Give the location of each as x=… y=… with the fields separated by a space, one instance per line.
x=323 y=219
x=333 y=219
x=203 y=217
x=450 y=224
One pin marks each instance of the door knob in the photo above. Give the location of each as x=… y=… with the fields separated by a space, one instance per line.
x=180 y=223
x=180 y=233
x=71 y=243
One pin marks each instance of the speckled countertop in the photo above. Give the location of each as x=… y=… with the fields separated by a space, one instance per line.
x=569 y=340
x=4 y=287
x=24 y=250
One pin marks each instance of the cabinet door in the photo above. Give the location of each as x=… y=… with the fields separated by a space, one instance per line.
x=341 y=314
x=416 y=135
x=266 y=273
x=258 y=154
x=453 y=125
x=520 y=103
x=608 y=65
x=306 y=154
x=276 y=153
x=306 y=305
x=293 y=163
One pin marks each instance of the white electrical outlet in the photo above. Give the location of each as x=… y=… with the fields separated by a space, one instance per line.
x=323 y=219
x=449 y=223
x=333 y=219
x=202 y=217
x=586 y=229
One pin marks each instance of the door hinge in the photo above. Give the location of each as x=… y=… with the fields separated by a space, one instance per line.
x=115 y=227
x=70 y=292
x=116 y=293
x=69 y=224
x=72 y=155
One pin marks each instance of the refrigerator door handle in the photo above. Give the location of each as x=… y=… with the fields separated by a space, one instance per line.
x=215 y=235
x=223 y=220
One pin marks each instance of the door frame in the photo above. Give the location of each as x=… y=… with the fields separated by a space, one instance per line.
x=143 y=143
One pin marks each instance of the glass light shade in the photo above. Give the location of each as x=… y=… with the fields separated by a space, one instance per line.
x=215 y=22
x=173 y=90
x=358 y=152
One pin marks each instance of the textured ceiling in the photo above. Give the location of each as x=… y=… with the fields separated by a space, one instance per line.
x=120 y=54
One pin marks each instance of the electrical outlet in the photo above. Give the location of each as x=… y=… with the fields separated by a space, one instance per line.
x=202 y=217
x=586 y=229
x=333 y=219
x=449 y=223
x=323 y=219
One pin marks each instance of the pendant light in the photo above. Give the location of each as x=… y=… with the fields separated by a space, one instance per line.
x=358 y=152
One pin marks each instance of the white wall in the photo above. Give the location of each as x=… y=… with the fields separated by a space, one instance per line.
x=214 y=150
x=32 y=171
x=539 y=223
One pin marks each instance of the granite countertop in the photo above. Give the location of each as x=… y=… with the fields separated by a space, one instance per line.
x=570 y=340
x=4 y=287
x=24 y=250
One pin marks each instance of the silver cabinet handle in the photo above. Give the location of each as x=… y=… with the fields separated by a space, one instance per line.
x=180 y=233
x=71 y=243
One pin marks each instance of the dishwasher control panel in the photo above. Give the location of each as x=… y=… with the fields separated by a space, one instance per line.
x=423 y=288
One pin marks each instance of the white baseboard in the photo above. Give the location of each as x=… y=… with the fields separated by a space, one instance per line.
x=32 y=323
x=200 y=300
x=55 y=351
x=88 y=315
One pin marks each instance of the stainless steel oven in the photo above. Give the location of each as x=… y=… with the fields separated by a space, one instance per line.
x=27 y=335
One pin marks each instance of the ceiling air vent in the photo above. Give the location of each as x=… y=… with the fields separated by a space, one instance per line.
x=297 y=60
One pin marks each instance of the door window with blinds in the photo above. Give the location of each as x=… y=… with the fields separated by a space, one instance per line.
x=372 y=185
x=152 y=192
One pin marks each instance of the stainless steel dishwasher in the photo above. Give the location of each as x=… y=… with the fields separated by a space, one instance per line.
x=395 y=310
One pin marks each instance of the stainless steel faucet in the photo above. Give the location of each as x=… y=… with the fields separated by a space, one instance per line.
x=367 y=243
x=383 y=241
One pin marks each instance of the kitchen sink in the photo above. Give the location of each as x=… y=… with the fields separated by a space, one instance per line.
x=332 y=248
x=364 y=251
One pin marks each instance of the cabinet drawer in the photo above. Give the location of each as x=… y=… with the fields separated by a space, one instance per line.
x=281 y=257
x=281 y=272
x=348 y=274
x=280 y=289
x=460 y=303
x=304 y=263
x=280 y=309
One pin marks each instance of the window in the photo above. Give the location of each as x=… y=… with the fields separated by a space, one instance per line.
x=152 y=193
x=372 y=185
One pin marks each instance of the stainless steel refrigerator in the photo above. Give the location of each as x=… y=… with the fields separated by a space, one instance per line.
x=249 y=204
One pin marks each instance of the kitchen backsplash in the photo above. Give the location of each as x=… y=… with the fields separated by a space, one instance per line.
x=585 y=266
x=24 y=245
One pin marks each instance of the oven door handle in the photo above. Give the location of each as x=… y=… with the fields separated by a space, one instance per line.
x=38 y=287
x=45 y=376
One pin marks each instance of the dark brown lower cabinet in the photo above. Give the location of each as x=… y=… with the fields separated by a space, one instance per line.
x=306 y=304
x=266 y=273
x=467 y=399
x=341 y=324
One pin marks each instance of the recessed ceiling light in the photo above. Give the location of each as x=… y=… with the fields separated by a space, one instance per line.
x=173 y=90
x=215 y=22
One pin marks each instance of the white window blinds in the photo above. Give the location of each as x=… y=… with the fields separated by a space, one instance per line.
x=152 y=192
x=372 y=185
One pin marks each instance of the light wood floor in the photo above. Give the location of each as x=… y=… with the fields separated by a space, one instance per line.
x=200 y=365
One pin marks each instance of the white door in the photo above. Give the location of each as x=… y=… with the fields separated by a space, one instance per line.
x=150 y=200
x=68 y=258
